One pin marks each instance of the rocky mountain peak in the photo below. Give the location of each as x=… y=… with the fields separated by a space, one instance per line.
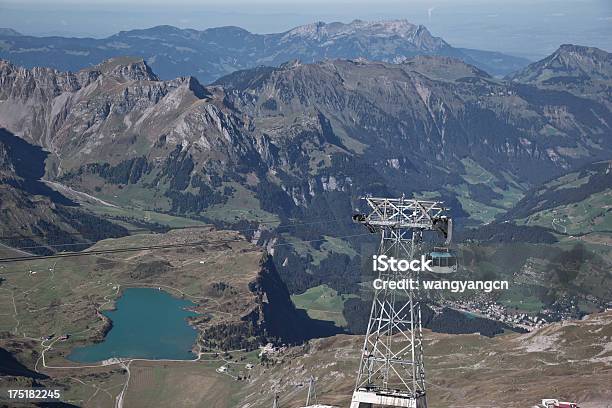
x=583 y=57
x=403 y=29
x=126 y=69
x=391 y=27
x=5 y=65
x=581 y=49
x=9 y=32
x=196 y=87
x=21 y=82
x=569 y=61
x=291 y=64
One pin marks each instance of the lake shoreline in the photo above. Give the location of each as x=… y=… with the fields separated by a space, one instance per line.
x=162 y=321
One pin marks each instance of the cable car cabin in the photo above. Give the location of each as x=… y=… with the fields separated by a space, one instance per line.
x=443 y=261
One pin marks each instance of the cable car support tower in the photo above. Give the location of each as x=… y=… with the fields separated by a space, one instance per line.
x=391 y=371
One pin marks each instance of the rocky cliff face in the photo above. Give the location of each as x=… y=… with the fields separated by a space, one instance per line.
x=296 y=127
x=269 y=315
x=74 y=112
x=426 y=110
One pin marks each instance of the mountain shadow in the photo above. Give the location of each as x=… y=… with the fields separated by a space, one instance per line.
x=10 y=366
x=28 y=163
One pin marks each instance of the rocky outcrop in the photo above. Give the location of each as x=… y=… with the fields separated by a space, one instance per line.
x=271 y=317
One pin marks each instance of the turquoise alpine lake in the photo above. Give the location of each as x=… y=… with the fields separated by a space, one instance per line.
x=147 y=323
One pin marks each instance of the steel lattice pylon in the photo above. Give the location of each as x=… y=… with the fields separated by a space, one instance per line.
x=391 y=371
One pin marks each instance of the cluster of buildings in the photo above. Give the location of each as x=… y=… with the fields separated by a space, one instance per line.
x=498 y=312
x=555 y=403
x=562 y=309
x=269 y=350
x=523 y=321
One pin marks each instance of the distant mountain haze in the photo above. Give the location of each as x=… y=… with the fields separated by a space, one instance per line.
x=214 y=52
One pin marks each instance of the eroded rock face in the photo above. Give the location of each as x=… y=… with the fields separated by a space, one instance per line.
x=268 y=316
x=298 y=132
x=577 y=348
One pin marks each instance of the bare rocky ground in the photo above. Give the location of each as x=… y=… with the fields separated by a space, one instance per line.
x=571 y=360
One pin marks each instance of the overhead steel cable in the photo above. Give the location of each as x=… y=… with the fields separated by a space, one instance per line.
x=322 y=221
x=147 y=248
x=158 y=229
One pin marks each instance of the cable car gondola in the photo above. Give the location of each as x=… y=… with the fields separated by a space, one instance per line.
x=443 y=260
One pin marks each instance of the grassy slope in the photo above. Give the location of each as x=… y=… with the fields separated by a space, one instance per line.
x=476 y=175
x=179 y=384
x=60 y=296
x=323 y=303
x=586 y=216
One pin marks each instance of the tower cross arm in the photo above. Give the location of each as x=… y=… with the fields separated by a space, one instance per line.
x=401 y=213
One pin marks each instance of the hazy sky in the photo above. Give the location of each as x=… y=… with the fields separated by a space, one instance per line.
x=531 y=28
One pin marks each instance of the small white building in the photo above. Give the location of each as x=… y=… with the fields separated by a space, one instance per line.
x=320 y=406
